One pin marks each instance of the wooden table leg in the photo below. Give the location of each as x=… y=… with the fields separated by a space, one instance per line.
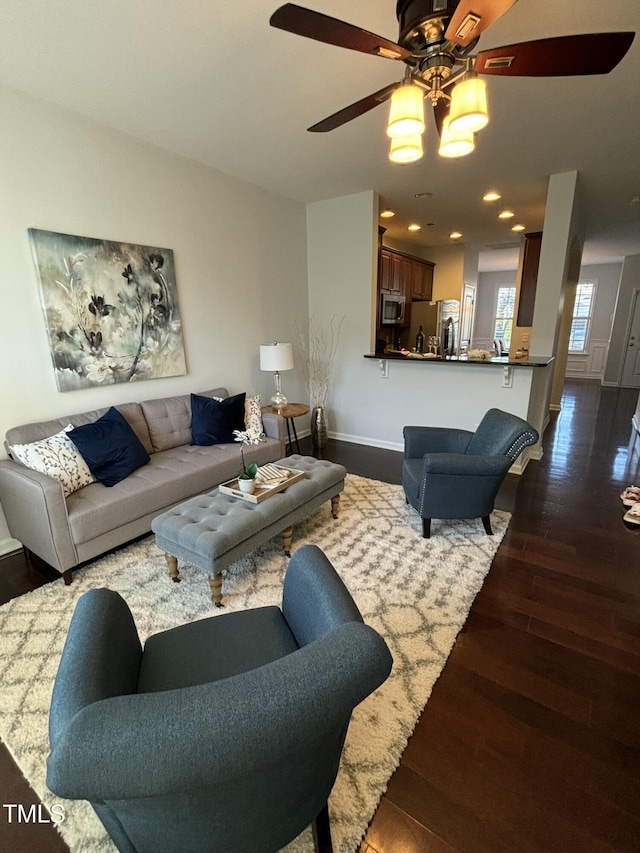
x=286 y=540
x=174 y=572
x=215 y=585
x=335 y=505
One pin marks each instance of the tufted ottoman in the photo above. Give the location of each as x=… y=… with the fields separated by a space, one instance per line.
x=212 y=531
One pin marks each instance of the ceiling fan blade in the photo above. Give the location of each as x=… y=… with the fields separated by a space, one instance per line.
x=472 y=17
x=440 y=112
x=314 y=25
x=592 y=53
x=354 y=110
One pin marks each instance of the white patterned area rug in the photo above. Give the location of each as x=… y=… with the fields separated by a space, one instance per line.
x=416 y=592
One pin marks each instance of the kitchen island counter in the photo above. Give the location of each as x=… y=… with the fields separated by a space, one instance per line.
x=502 y=361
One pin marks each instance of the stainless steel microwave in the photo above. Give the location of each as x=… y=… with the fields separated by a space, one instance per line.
x=391 y=309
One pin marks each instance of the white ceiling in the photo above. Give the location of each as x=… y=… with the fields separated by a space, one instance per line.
x=214 y=82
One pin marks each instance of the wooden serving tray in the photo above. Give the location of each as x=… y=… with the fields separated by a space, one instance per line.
x=261 y=493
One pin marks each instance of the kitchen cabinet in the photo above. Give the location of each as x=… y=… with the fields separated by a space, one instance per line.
x=404 y=275
x=421 y=281
x=529 y=279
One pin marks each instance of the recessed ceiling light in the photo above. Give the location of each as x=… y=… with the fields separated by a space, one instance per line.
x=414 y=227
x=455 y=235
x=387 y=214
x=492 y=195
x=518 y=228
x=506 y=214
x=423 y=195
x=634 y=200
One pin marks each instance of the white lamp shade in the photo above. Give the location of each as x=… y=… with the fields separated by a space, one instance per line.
x=469 y=106
x=455 y=144
x=406 y=112
x=405 y=149
x=276 y=357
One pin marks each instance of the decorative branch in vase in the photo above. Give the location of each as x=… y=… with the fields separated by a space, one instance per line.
x=318 y=352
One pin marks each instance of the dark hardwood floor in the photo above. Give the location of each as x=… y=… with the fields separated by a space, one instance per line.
x=530 y=742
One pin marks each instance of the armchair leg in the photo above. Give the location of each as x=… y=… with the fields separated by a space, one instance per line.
x=322 y=832
x=426 y=528
x=486 y=520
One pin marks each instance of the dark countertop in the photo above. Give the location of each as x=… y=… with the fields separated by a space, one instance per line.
x=503 y=361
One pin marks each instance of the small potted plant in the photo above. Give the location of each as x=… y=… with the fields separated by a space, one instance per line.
x=247 y=474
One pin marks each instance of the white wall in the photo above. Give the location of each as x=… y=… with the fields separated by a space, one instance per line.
x=448 y=274
x=240 y=256
x=629 y=279
x=561 y=225
x=365 y=407
x=592 y=364
x=342 y=262
x=488 y=282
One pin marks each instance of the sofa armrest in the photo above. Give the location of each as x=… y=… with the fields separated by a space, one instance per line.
x=36 y=513
x=274 y=427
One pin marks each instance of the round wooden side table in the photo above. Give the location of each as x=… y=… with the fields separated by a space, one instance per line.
x=289 y=412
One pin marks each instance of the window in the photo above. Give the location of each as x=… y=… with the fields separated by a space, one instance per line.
x=582 y=312
x=505 y=305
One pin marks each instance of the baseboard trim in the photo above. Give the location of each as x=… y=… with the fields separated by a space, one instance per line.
x=371 y=442
x=9 y=546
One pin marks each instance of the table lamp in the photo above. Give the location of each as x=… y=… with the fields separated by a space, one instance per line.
x=277 y=357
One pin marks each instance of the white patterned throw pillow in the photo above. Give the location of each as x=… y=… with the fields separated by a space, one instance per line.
x=58 y=457
x=253 y=414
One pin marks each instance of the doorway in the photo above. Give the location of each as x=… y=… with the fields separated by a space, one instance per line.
x=631 y=364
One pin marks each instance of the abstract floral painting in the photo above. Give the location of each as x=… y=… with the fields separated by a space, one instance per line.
x=111 y=310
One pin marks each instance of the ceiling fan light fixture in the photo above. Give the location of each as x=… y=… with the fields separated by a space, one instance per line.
x=455 y=144
x=406 y=112
x=406 y=149
x=469 y=109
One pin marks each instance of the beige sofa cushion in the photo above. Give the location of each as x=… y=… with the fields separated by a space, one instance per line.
x=170 y=477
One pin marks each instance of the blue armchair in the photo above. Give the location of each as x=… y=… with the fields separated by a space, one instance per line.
x=455 y=473
x=224 y=734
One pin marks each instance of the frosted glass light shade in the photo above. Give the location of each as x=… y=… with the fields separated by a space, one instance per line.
x=455 y=144
x=276 y=357
x=405 y=149
x=469 y=106
x=406 y=113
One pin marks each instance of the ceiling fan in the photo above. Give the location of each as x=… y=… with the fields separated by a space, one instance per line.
x=435 y=42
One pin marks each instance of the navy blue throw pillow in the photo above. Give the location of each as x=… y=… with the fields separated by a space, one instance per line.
x=110 y=447
x=213 y=421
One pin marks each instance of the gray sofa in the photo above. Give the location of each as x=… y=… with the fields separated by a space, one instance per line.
x=68 y=531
